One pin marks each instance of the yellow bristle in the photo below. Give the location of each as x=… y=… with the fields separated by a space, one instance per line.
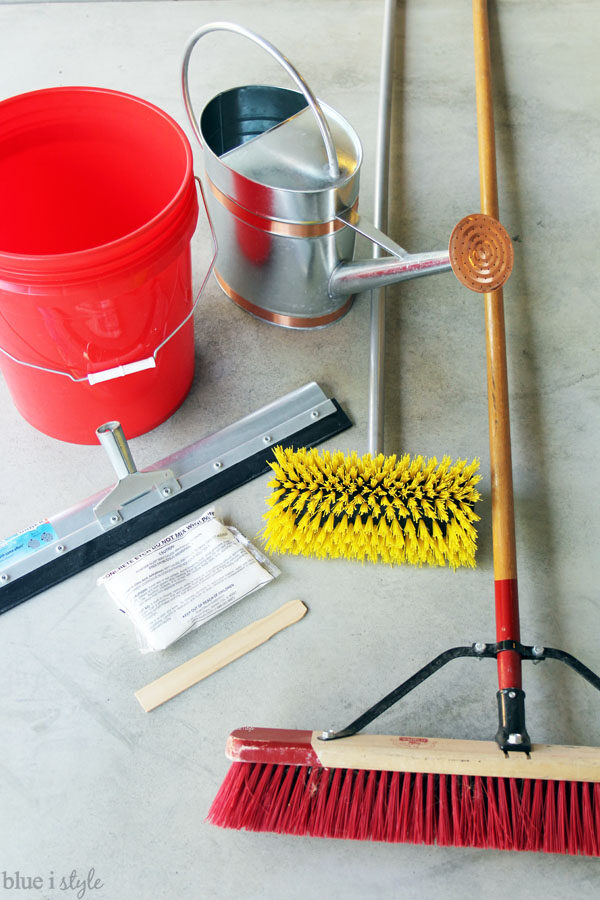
x=393 y=509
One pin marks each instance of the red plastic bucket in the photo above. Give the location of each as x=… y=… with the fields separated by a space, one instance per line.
x=98 y=205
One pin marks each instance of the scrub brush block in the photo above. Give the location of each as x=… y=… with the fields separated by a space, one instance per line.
x=397 y=510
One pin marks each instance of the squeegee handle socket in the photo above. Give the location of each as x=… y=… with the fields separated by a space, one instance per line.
x=113 y=439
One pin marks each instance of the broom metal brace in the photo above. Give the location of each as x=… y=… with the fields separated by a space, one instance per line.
x=512 y=733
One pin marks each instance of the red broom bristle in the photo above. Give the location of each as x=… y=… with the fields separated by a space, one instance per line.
x=549 y=841
x=517 y=812
x=597 y=817
x=455 y=817
x=365 y=819
x=226 y=802
x=380 y=810
x=561 y=818
x=504 y=813
x=444 y=830
x=288 y=820
x=479 y=819
x=317 y=816
x=494 y=837
x=431 y=801
x=574 y=832
x=356 y=810
x=466 y=812
x=536 y=815
x=403 y=810
x=459 y=810
x=393 y=809
x=589 y=846
x=333 y=805
x=268 y=788
x=279 y=803
x=345 y=804
x=416 y=825
x=301 y=814
x=527 y=824
x=261 y=796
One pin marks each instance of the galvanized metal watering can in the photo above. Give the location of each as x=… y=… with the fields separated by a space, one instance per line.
x=282 y=177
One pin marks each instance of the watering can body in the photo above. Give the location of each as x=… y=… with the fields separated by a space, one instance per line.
x=284 y=227
x=281 y=176
x=273 y=205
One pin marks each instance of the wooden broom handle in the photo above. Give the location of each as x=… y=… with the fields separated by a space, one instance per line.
x=503 y=523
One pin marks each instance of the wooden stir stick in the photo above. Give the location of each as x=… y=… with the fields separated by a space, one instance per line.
x=213 y=659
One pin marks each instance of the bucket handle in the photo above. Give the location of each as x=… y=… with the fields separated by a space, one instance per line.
x=141 y=364
x=312 y=101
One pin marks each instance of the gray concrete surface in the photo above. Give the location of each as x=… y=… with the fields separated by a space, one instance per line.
x=86 y=778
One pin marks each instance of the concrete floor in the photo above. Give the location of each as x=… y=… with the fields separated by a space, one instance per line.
x=86 y=778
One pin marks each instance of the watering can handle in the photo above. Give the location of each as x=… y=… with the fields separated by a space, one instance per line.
x=312 y=101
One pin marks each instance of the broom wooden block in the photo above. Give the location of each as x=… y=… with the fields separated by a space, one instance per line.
x=391 y=753
x=215 y=658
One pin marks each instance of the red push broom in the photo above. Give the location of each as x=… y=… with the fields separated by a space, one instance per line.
x=507 y=794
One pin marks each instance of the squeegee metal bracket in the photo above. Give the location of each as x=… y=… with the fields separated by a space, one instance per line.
x=142 y=502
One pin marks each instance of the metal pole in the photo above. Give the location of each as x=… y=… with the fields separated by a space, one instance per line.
x=380 y=217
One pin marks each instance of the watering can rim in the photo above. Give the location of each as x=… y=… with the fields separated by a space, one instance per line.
x=331 y=112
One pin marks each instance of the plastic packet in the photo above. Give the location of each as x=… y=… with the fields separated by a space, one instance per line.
x=185 y=579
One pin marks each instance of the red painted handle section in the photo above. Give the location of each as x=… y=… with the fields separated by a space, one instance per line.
x=507 y=629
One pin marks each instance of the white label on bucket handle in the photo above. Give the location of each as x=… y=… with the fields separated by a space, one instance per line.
x=119 y=371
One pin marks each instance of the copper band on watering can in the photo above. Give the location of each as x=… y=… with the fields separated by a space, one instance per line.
x=278 y=318
x=277 y=226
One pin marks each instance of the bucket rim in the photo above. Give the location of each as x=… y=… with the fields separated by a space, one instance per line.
x=80 y=260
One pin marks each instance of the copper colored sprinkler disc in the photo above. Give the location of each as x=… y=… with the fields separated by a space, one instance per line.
x=481 y=253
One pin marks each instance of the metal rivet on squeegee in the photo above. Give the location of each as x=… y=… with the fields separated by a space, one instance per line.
x=60 y=548
x=4 y=578
x=218 y=464
x=267 y=439
x=166 y=492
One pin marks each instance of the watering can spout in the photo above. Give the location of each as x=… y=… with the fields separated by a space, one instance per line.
x=479 y=253
x=371 y=274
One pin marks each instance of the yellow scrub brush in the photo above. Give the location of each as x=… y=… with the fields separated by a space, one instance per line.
x=394 y=509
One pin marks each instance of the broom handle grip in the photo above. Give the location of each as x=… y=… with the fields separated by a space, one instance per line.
x=503 y=523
